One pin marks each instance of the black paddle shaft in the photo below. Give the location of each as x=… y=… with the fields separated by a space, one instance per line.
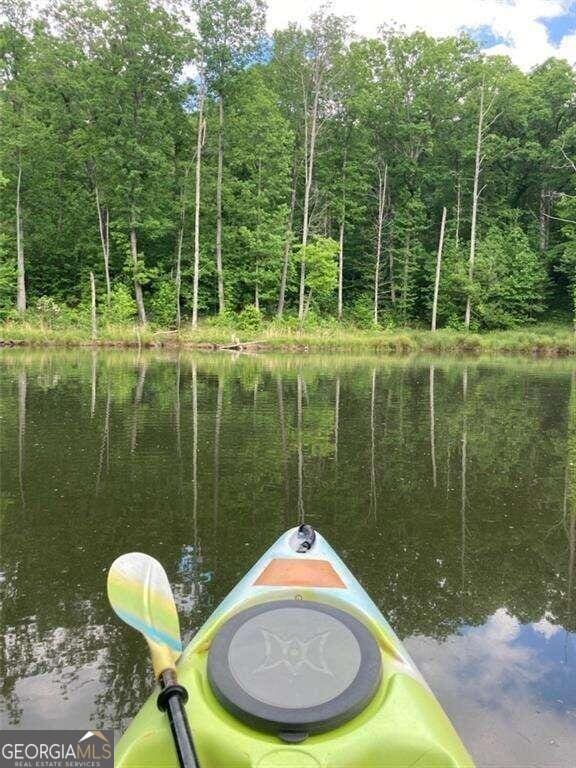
x=171 y=700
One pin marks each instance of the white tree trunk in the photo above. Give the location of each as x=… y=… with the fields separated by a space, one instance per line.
x=382 y=181
x=219 y=271
x=341 y=271
x=438 y=270
x=311 y=150
x=21 y=270
x=475 y=196
x=199 y=144
x=93 y=307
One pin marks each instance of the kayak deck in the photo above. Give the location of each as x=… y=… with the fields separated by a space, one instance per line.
x=402 y=725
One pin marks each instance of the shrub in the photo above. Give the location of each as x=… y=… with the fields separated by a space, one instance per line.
x=121 y=308
x=164 y=304
x=362 y=313
x=250 y=319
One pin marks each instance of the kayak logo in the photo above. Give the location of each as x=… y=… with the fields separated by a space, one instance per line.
x=294 y=654
x=57 y=749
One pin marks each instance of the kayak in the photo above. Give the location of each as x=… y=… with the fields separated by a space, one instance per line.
x=298 y=668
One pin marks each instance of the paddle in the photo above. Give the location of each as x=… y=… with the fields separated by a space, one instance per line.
x=140 y=594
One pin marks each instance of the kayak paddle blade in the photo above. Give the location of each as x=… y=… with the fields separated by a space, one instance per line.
x=140 y=594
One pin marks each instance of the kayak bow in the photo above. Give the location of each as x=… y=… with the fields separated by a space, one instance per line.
x=297 y=668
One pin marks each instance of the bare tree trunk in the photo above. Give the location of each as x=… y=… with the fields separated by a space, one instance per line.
x=341 y=271
x=104 y=229
x=311 y=150
x=438 y=270
x=93 y=307
x=219 y=272
x=199 y=144
x=134 y=253
x=287 y=247
x=475 y=196
x=21 y=270
x=381 y=207
x=179 y=241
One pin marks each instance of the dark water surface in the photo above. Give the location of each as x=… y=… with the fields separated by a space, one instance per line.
x=449 y=488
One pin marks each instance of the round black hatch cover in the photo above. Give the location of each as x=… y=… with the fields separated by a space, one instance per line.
x=294 y=667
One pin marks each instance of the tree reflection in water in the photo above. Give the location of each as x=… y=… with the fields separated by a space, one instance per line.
x=449 y=487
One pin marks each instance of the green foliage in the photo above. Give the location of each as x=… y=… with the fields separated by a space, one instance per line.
x=7 y=286
x=121 y=308
x=509 y=282
x=320 y=257
x=98 y=120
x=362 y=313
x=250 y=319
x=163 y=304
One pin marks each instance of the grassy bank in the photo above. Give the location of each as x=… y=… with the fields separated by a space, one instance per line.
x=545 y=340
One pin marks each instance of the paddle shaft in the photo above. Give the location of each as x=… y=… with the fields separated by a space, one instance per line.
x=172 y=699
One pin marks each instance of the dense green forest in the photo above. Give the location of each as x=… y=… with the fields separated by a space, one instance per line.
x=196 y=166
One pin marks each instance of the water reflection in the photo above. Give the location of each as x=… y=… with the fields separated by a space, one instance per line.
x=449 y=487
x=509 y=687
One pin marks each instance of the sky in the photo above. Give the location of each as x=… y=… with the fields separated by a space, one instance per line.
x=529 y=31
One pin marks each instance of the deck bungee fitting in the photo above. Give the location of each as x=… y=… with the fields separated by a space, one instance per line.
x=297 y=668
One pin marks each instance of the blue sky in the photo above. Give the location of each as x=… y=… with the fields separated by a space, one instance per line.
x=529 y=31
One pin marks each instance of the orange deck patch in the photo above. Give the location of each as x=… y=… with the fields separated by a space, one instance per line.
x=291 y=572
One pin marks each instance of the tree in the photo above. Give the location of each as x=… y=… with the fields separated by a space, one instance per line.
x=231 y=33
x=145 y=44
x=258 y=178
x=18 y=128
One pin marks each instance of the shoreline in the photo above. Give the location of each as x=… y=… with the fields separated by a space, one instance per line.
x=539 y=341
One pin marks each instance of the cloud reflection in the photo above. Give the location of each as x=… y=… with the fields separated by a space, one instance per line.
x=505 y=684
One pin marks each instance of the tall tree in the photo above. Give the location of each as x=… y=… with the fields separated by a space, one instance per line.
x=231 y=35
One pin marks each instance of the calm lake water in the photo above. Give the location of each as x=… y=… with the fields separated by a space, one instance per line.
x=449 y=487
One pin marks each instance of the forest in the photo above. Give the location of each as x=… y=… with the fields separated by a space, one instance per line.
x=174 y=163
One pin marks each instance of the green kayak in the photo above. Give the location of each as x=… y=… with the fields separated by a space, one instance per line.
x=297 y=668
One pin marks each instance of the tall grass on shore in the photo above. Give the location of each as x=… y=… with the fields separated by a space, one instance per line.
x=549 y=339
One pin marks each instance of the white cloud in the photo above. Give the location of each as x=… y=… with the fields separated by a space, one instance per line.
x=521 y=23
